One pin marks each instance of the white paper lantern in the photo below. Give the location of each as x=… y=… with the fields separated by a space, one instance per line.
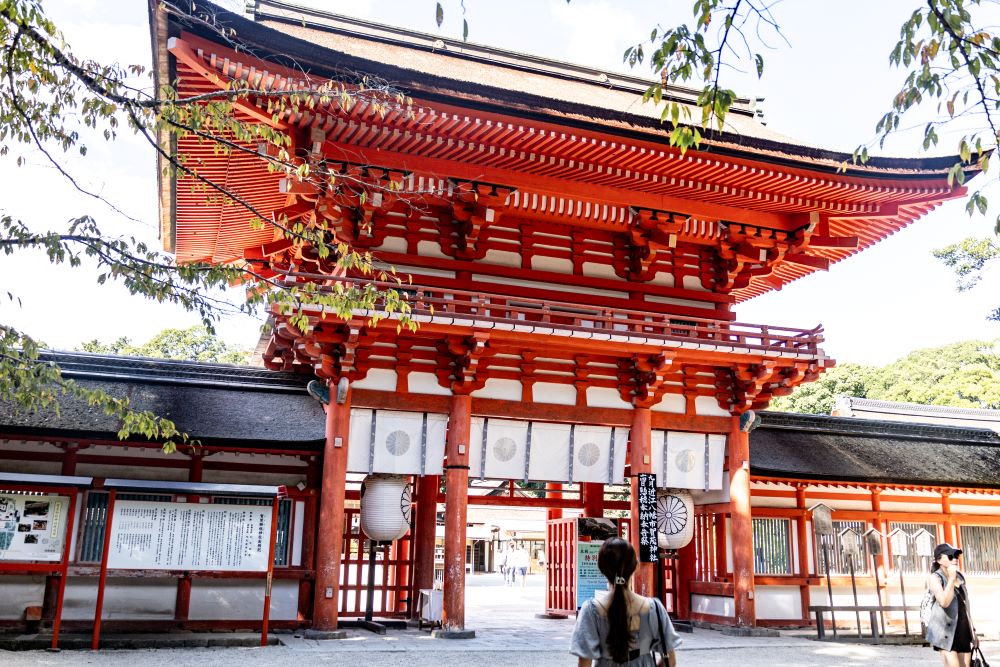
x=385 y=507
x=674 y=518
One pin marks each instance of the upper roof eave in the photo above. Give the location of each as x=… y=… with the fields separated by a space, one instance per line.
x=279 y=46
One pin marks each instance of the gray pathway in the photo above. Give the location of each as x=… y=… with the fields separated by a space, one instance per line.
x=508 y=635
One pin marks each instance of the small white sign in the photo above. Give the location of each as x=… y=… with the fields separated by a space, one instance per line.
x=32 y=528
x=189 y=536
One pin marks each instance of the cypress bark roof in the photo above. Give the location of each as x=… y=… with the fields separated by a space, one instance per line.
x=849 y=449
x=214 y=403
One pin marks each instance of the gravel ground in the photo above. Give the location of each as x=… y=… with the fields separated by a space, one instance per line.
x=806 y=654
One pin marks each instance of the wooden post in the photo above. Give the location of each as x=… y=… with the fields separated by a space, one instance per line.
x=52 y=583
x=687 y=560
x=802 y=538
x=270 y=571
x=330 y=535
x=741 y=524
x=64 y=567
x=95 y=642
x=640 y=459
x=309 y=530
x=182 y=601
x=424 y=530
x=554 y=490
x=593 y=499
x=455 y=511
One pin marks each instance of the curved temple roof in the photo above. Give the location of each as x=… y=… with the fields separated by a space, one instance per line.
x=564 y=138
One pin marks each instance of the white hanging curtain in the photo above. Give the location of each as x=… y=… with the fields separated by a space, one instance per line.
x=599 y=454
x=497 y=448
x=549 y=457
x=401 y=443
x=683 y=460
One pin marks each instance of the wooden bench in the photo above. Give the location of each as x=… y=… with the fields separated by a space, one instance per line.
x=872 y=611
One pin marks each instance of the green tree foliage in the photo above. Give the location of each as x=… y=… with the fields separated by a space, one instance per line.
x=53 y=102
x=970 y=259
x=965 y=374
x=195 y=343
x=818 y=397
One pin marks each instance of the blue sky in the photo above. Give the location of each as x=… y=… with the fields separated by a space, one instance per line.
x=827 y=88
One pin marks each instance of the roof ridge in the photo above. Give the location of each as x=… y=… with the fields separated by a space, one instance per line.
x=409 y=38
x=171 y=371
x=922 y=408
x=876 y=427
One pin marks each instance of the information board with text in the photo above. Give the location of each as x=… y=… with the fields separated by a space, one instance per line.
x=32 y=527
x=189 y=536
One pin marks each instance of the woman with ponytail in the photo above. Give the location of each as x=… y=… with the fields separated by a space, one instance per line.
x=620 y=627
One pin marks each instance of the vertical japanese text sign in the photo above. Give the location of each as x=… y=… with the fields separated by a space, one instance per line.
x=647 y=518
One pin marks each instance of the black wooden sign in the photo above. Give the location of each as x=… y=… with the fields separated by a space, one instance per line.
x=646 y=521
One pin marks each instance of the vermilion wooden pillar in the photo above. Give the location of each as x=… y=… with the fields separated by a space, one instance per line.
x=640 y=459
x=741 y=526
x=330 y=536
x=687 y=558
x=554 y=490
x=424 y=528
x=50 y=594
x=593 y=499
x=802 y=538
x=310 y=529
x=456 y=506
x=182 y=601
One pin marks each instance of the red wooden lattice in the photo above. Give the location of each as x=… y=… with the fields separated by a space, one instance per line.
x=560 y=574
x=393 y=573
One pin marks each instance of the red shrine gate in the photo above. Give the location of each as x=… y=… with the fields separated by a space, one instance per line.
x=569 y=270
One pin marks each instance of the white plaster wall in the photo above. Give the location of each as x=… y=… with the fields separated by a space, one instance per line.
x=137 y=471
x=236 y=600
x=430 y=249
x=555 y=264
x=393 y=244
x=922 y=508
x=145 y=598
x=508 y=390
x=426 y=383
x=663 y=278
x=503 y=258
x=771 y=501
x=20 y=592
x=382 y=379
x=243 y=477
x=551 y=392
x=712 y=604
x=34 y=467
x=670 y=403
x=693 y=282
x=690 y=303
x=605 y=397
x=595 y=270
x=778 y=602
x=707 y=406
x=976 y=509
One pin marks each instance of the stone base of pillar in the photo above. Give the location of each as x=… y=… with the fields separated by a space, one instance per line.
x=453 y=634
x=309 y=633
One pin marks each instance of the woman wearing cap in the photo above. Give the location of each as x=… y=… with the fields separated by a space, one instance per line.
x=622 y=628
x=950 y=630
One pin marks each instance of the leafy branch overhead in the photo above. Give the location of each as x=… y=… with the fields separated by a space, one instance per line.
x=53 y=103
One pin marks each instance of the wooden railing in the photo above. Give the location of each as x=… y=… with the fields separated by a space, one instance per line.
x=497 y=311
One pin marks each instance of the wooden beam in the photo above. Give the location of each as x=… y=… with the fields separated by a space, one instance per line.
x=559 y=187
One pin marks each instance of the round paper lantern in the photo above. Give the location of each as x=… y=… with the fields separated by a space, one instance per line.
x=385 y=507
x=674 y=518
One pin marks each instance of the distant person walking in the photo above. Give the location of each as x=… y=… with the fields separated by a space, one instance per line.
x=521 y=563
x=504 y=558
x=622 y=628
x=950 y=630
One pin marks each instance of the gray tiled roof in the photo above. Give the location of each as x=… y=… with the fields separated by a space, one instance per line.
x=210 y=402
x=850 y=449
